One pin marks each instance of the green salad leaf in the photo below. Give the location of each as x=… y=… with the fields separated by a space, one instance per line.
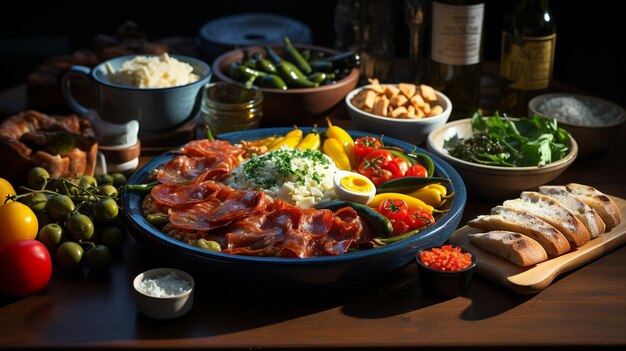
x=502 y=141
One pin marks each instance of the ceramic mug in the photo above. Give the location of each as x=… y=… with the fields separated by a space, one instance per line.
x=156 y=109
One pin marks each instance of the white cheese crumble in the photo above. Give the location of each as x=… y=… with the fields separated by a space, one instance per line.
x=167 y=285
x=300 y=177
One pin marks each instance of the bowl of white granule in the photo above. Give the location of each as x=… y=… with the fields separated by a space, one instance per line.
x=163 y=293
x=595 y=123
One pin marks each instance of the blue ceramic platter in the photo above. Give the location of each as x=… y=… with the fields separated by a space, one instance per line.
x=288 y=273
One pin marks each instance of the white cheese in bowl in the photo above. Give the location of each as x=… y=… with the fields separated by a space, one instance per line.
x=152 y=72
x=167 y=285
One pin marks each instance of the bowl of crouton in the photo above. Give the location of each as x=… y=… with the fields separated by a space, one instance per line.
x=404 y=111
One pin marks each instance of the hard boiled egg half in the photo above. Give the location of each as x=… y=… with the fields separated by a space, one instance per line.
x=352 y=186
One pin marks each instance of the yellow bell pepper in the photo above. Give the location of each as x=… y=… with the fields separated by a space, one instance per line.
x=411 y=201
x=334 y=150
x=345 y=139
x=290 y=140
x=311 y=141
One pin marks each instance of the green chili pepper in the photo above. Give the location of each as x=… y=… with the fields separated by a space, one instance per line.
x=393 y=239
x=296 y=57
x=247 y=73
x=294 y=77
x=271 y=81
x=306 y=54
x=273 y=56
x=141 y=187
x=322 y=66
x=266 y=66
x=318 y=77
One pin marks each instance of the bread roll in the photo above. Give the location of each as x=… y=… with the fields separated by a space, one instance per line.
x=587 y=215
x=515 y=247
x=553 y=212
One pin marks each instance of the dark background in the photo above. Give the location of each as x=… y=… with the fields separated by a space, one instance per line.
x=589 y=52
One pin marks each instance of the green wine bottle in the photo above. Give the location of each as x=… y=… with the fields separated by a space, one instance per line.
x=456 y=53
x=527 y=56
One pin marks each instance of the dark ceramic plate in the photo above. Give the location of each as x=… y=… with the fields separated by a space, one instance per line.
x=284 y=273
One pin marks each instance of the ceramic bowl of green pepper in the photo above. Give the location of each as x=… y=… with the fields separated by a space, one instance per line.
x=292 y=93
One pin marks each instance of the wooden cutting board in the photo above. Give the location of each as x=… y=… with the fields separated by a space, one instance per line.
x=530 y=280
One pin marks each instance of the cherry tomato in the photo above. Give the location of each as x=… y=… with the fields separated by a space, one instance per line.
x=417 y=218
x=373 y=166
x=399 y=227
x=25 y=267
x=393 y=209
x=5 y=189
x=365 y=145
x=417 y=171
x=17 y=222
x=398 y=167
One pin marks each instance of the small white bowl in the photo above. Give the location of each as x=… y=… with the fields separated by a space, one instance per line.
x=493 y=181
x=163 y=307
x=602 y=126
x=414 y=131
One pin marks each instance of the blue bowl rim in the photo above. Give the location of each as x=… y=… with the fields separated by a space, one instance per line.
x=131 y=202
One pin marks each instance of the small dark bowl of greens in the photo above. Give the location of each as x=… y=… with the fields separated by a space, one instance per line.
x=499 y=157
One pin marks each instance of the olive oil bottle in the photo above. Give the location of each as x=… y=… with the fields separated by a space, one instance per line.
x=527 y=56
x=456 y=52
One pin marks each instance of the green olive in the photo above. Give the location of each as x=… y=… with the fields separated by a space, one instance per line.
x=208 y=245
x=51 y=235
x=60 y=207
x=111 y=236
x=37 y=178
x=105 y=210
x=87 y=181
x=99 y=257
x=118 y=179
x=104 y=179
x=70 y=256
x=79 y=227
x=36 y=201
x=108 y=190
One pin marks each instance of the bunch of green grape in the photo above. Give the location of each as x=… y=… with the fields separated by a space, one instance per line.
x=78 y=217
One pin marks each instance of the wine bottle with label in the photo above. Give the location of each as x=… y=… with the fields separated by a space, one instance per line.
x=527 y=56
x=456 y=52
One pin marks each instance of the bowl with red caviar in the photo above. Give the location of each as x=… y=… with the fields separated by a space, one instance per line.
x=446 y=269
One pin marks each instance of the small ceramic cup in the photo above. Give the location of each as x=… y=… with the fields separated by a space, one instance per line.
x=447 y=283
x=156 y=109
x=163 y=307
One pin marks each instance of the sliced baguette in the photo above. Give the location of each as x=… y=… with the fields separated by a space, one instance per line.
x=505 y=218
x=590 y=218
x=551 y=211
x=606 y=208
x=515 y=247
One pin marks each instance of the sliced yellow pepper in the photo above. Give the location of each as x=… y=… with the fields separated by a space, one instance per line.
x=411 y=201
x=334 y=150
x=291 y=139
x=311 y=141
x=344 y=138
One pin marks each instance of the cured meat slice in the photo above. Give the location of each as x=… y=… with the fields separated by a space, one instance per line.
x=214 y=213
x=207 y=147
x=173 y=195
x=184 y=169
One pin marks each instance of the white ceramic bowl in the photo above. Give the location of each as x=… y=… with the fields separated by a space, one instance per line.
x=165 y=307
x=493 y=181
x=414 y=131
x=598 y=131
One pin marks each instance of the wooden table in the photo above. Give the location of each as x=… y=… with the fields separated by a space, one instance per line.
x=584 y=308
